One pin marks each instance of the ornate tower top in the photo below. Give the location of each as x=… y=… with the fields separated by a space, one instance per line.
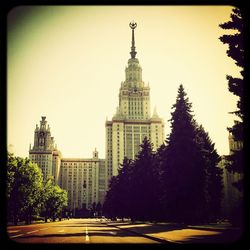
x=42 y=137
x=43 y=123
x=133 y=25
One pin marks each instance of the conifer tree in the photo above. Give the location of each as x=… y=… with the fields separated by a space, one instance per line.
x=213 y=184
x=235 y=85
x=124 y=188
x=160 y=164
x=110 y=203
x=117 y=200
x=184 y=196
x=142 y=183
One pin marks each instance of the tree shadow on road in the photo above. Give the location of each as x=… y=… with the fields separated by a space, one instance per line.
x=156 y=232
x=184 y=233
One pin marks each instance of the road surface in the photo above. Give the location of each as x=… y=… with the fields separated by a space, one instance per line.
x=74 y=231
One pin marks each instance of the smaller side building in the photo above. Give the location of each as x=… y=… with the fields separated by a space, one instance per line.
x=84 y=180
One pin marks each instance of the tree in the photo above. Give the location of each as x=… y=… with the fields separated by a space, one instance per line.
x=160 y=163
x=55 y=200
x=142 y=183
x=12 y=189
x=235 y=85
x=184 y=198
x=46 y=194
x=99 y=209
x=118 y=199
x=213 y=184
x=109 y=207
x=24 y=187
x=123 y=188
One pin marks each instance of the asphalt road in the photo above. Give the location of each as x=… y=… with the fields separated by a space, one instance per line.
x=74 y=231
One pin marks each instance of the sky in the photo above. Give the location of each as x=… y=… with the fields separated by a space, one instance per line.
x=67 y=63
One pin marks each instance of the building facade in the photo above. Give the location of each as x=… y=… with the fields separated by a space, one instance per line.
x=86 y=180
x=132 y=121
x=45 y=153
x=83 y=179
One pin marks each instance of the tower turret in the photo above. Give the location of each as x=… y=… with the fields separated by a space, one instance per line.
x=134 y=98
x=42 y=137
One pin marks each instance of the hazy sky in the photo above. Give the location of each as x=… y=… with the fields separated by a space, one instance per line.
x=67 y=63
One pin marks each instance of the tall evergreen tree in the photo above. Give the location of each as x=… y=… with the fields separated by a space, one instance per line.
x=213 y=184
x=160 y=165
x=124 y=188
x=235 y=85
x=142 y=183
x=185 y=175
x=117 y=200
x=110 y=204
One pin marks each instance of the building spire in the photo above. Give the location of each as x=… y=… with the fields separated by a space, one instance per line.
x=155 y=115
x=133 y=25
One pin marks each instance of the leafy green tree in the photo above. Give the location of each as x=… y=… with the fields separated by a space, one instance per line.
x=11 y=172
x=184 y=198
x=12 y=189
x=24 y=187
x=55 y=200
x=46 y=194
x=236 y=86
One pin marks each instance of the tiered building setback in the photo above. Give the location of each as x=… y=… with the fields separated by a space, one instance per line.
x=132 y=121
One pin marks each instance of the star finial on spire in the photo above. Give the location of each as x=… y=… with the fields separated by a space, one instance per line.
x=133 y=25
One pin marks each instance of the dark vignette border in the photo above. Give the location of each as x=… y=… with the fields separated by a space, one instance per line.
x=8 y=5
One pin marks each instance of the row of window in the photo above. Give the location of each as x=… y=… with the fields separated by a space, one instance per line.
x=78 y=163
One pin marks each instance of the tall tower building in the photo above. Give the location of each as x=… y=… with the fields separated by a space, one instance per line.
x=44 y=151
x=132 y=121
